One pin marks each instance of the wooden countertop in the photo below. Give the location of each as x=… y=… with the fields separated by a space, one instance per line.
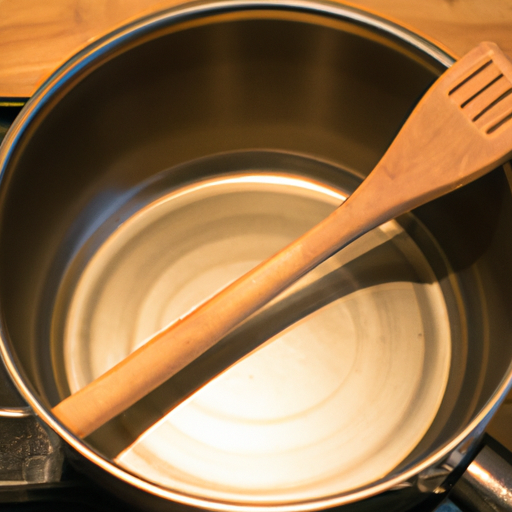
x=36 y=37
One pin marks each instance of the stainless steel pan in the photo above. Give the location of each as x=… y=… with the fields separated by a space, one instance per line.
x=165 y=157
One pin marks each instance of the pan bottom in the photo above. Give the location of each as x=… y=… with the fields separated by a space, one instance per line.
x=340 y=376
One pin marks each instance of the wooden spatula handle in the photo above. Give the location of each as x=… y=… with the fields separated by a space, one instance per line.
x=178 y=345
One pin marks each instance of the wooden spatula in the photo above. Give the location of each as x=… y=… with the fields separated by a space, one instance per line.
x=461 y=129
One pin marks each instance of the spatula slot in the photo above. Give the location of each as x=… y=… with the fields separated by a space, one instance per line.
x=496 y=115
x=483 y=89
x=492 y=104
x=499 y=123
x=467 y=79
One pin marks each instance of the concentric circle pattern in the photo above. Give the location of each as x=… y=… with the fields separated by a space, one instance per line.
x=343 y=390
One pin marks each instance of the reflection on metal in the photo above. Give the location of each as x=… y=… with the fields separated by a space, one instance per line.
x=431 y=480
x=15 y=412
x=29 y=453
x=334 y=400
x=486 y=486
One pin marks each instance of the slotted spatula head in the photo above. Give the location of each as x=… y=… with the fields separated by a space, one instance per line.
x=461 y=129
x=483 y=92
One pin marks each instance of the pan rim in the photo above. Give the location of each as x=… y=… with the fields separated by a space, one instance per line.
x=95 y=53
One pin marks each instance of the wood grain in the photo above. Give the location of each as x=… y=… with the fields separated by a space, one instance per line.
x=36 y=37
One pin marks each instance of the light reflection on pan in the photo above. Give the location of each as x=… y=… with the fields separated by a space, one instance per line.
x=345 y=372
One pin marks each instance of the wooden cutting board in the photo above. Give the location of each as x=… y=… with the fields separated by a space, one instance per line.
x=37 y=36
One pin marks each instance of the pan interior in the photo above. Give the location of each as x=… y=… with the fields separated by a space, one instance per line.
x=345 y=371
